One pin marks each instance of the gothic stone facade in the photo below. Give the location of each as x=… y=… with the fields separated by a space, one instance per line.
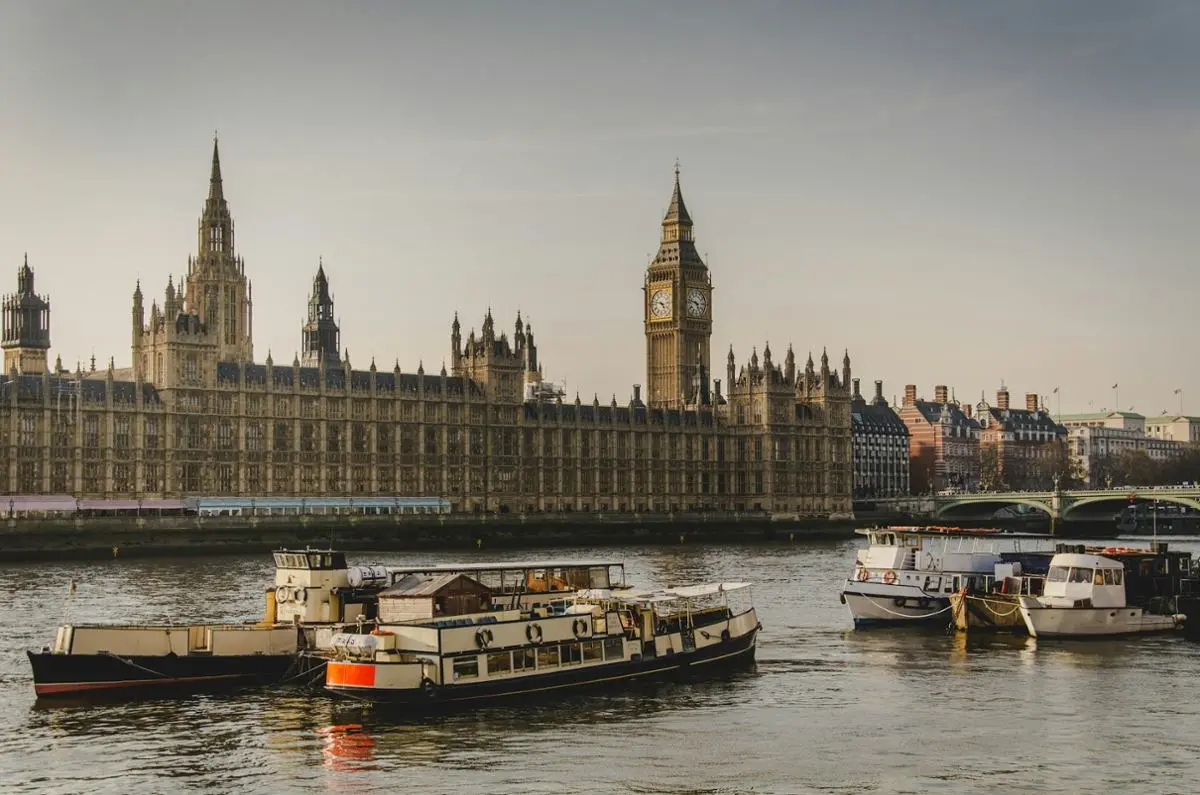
x=195 y=415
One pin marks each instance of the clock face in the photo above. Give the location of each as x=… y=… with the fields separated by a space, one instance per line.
x=697 y=304
x=660 y=304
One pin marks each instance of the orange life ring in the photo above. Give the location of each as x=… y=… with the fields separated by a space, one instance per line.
x=889 y=577
x=863 y=574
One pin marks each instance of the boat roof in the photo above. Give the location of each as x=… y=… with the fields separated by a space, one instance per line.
x=1085 y=561
x=503 y=564
x=681 y=592
x=425 y=585
x=938 y=531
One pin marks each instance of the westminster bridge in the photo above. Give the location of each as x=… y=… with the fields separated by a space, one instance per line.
x=1060 y=505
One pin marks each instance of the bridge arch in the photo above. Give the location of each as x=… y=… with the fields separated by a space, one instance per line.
x=992 y=503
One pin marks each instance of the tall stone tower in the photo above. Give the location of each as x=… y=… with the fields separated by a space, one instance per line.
x=320 y=336
x=26 y=326
x=217 y=289
x=678 y=312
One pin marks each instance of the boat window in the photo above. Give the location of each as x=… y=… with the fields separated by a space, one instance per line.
x=547 y=657
x=466 y=668
x=592 y=651
x=499 y=662
x=1099 y=578
x=1080 y=574
x=1108 y=576
x=1118 y=576
x=614 y=649
x=1184 y=565
x=571 y=654
x=523 y=659
x=1057 y=574
x=598 y=577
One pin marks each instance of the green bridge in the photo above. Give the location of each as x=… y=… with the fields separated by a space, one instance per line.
x=1059 y=505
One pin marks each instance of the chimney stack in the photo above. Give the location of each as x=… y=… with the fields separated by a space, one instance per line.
x=856 y=396
x=1031 y=403
x=967 y=410
x=1002 y=399
x=879 y=393
x=637 y=394
x=910 y=394
x=941 y=394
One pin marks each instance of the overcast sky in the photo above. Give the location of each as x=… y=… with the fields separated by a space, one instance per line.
x=960 y=193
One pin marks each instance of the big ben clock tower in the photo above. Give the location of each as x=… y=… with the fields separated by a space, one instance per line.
x=678 y=312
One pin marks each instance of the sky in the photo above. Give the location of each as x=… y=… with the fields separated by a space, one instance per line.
x=965 y=194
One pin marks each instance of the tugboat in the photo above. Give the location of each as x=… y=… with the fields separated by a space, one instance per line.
x=1088 y=594
x=438 y=641
x=906 y=575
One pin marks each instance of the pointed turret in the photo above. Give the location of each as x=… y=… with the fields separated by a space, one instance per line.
x=25 y=334
x=320 y=337
x=677 y=212
x=846 y=368
x=216 y=192
x=789 y=365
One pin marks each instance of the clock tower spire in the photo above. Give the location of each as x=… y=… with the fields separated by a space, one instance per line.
x=678 y=311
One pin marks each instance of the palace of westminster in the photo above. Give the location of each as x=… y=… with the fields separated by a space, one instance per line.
x=195 y=415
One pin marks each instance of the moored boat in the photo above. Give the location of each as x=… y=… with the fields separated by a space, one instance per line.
x=316 y=595
x=1086 y=596
x=434 y=646
x=907 y=575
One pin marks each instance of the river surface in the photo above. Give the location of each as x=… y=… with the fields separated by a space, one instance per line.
x=826 y=709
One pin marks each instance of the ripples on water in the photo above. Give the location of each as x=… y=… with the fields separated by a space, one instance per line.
x=825 y=709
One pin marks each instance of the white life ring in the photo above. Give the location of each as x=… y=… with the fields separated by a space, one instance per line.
x=281 y=595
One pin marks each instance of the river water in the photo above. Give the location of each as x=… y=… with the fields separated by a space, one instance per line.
x=826 y=709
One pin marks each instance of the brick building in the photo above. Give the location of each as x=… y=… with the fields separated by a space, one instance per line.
x=1020 y=448
x=943 y=442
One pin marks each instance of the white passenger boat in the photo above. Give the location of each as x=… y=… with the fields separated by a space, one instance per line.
x=438 y=642
x=1085 y=597
x=907 y=574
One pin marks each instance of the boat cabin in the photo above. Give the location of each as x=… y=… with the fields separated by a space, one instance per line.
x=315 y=586
x=1083 y=580
x=520 y=585
x=430 y=596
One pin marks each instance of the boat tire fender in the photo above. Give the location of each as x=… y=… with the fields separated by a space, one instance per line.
x=899 y=601
x=483 y=638
x=300 y=595
x=922 y=603
x=725 y=636
x=429 y=687
x=842 y=597
x=534 y=633
x=579 y=627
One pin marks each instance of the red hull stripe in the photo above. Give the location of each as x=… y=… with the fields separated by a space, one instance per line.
x=74 y=687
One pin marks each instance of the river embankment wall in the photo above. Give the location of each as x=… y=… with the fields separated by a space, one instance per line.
x=107 y=537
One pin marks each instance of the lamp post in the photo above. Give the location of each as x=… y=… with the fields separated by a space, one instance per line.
x=1154 y=524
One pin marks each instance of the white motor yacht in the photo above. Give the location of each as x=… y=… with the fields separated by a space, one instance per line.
x=1085 y=597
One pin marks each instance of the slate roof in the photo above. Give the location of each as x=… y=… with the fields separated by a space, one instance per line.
x=866 y=418
x=426 y=584
x=94 y=390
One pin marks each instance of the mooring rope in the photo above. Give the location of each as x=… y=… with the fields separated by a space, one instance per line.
x=903 y=615
x=132 y=664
